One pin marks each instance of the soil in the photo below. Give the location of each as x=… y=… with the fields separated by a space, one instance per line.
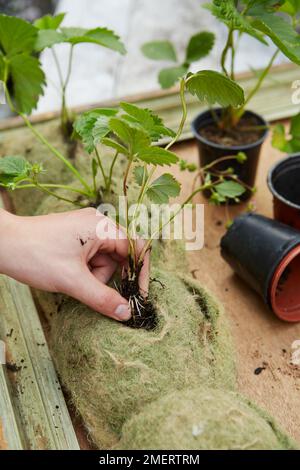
x=245 y=132
x=142 y=308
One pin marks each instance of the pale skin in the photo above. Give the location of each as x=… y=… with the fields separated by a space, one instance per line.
x=67 y=253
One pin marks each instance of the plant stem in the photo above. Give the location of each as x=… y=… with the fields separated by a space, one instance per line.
x=258 y=84
x=61 y=198
x=111 y=170
x=60 y=76
x=184 y=114
x=228 y=45
x=131 y=244
x=101 y=167
x=69 y=165
x=65 y=117
x=163 y=225
x=55 y=186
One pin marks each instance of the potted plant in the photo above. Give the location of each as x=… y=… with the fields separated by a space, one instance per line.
x=228 y=130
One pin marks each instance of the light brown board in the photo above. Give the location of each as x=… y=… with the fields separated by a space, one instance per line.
x=259 y=337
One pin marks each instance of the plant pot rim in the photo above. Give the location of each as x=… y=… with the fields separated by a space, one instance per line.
x=283 y=162
x=234 y=148
x=281 y=312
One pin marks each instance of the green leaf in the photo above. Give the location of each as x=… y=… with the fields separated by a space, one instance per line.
x=47 y=38
x=140 y=174
x=94 y=167
x=229 y=189
x=13 y=165
x=115 y=145
x=49 y=21
x=213 y=87
x=295 y=126
x=28 y=80
x=100 y=129
x=279 y=140
x=157 y=156
x=291 y=7
x=163 y=188
x=16 y=35
x=133 y=137
x=146 y=119
x=101 y=36
x=227 y=12
x=92 y=125
x=199 y=46
x=169 y=76
x=159 y=50
x=280 y=31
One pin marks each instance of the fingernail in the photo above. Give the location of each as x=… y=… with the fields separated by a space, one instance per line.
x=123 y=312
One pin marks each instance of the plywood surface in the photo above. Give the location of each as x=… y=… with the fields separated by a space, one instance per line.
x=260 y=339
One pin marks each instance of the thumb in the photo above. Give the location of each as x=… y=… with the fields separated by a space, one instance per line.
x=100 y=297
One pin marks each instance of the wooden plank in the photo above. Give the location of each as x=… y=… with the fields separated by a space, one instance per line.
x=260 y=339
x=33 y=404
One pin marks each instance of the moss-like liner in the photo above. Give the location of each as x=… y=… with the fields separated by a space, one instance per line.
x=203 y=419
x=113 y=371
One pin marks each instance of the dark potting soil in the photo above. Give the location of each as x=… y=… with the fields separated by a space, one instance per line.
x=244 y=133
x=143 y=312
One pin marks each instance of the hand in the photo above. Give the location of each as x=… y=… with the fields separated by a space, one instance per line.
x=64 y=253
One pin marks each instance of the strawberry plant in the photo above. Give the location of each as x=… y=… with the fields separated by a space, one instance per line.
x=51 y=32
x=130 y=131
x=134 y=132
x=198 y=47
x=265 y=20
x=287 y=141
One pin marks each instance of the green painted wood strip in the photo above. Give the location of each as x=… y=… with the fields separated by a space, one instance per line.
x=33 y=397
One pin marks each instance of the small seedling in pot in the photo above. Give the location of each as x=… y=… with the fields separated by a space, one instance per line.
x=51 y=33
x=287 y=141
x=198 y=47
x=266 y=21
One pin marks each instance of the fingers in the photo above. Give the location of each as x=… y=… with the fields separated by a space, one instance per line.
x=100 y=297
x=103 y=267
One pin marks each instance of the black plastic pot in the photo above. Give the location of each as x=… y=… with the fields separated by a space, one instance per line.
x=266 y=254
x=211 y=151
x=284 y=184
